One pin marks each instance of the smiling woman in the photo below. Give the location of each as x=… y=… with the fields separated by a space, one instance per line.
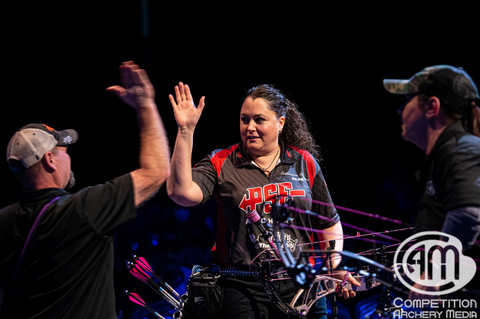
x=276 y=160
x=294 y=130
x=259 y=130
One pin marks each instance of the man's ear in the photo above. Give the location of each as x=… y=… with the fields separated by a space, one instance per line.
x=432 y=107
x=49 y=162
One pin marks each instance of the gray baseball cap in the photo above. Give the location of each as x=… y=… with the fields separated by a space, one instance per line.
x=31 y=142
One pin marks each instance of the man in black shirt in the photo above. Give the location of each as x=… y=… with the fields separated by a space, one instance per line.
x=62 y=266
x=442 y=117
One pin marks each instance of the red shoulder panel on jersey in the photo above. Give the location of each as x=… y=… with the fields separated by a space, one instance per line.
x=219 y=158
x=310 y=163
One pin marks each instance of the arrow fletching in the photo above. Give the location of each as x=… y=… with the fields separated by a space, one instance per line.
x=138 y=300
x=135 y=298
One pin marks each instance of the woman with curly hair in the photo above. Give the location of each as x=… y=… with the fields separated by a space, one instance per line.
x=275 y=160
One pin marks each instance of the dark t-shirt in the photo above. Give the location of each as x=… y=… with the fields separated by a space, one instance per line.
x=239 y=187
x=450 y=177
x=67 y=269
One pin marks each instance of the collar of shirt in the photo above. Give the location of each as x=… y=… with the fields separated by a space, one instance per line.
x=450 y=131
x=28 y=197
x=242 y=158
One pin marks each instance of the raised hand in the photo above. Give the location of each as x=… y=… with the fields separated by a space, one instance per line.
x=186 y=114
x=136 y=89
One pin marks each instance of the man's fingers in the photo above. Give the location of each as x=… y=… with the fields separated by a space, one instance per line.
x=126 y=76
x=127 y=70
x=142 y=74
x=117 y=90
x=123 y=74
x=141 y=79
x=139 y=76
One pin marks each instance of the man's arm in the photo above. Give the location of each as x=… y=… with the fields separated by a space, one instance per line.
x=463 y=223
x=138 y=92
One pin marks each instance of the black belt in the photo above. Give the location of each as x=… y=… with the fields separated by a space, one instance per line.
x=239 y=272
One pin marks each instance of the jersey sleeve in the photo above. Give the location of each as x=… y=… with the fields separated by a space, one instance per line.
x=205 y=176
x=324 y=207
x=461 y=174
x=105 y=206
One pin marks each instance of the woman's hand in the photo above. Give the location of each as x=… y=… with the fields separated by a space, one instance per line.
x=346 y=293
x=186 y=114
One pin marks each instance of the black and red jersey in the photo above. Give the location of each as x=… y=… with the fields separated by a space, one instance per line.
x=240 y=186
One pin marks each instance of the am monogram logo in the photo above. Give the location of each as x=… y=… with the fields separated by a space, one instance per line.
x=267 y=195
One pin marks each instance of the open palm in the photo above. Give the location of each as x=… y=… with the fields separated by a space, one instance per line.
x=186 y=114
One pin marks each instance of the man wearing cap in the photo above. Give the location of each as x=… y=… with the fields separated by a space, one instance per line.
x=56 y=251
x=442 y=117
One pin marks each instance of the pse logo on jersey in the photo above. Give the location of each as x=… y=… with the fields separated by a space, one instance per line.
x=430 y=262
x=268 y=195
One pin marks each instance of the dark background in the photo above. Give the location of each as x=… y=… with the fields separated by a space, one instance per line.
x=330 y=58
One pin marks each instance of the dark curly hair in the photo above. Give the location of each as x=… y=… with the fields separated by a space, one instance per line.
x=295 y=130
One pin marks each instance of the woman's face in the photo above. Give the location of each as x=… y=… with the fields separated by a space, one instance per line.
x=259 y=127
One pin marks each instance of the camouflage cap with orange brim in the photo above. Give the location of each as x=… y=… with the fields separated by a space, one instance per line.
x=411 y=86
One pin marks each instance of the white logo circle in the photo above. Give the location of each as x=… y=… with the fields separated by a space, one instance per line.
x=430 y=262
